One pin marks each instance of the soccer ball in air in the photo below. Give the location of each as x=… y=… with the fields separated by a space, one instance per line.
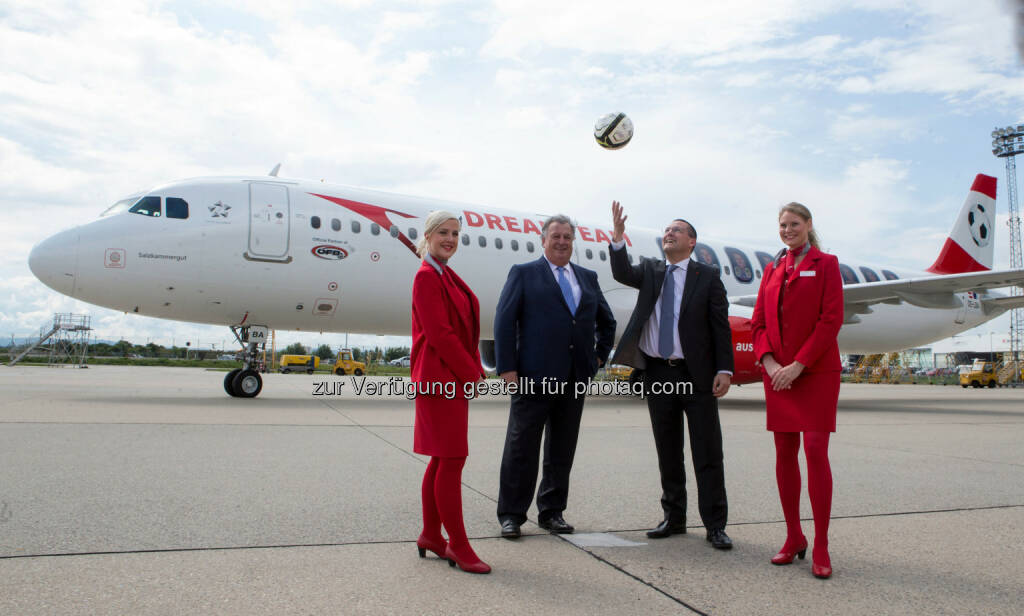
x=980 y=225
x=613 y=131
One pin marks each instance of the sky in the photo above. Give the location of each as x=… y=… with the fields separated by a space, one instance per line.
x=876 y=114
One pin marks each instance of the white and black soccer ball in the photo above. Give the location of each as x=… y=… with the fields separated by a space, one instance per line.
x=980 y=224
x=613 y=131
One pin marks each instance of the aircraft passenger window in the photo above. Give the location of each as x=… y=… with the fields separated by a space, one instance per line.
x=497 y=243
x=740 y=265
x=590 y=254
x=763 y=258
x=529 y=246
x=355 y=226
x=849 y=277
x=889 y=275
x=394 y=231
x=374 y=228
x=726 y=270
x=602 y=255
x=758 y=272
x=314 y=222
x=412 y=233
x=514 y=244
x=482 y=241
x=147 y=206
x=176 y=208
x=869 y=275
x=465 y=240
x=705 y=255
x=335 y=224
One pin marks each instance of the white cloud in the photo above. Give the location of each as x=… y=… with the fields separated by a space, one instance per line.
x=740 y=106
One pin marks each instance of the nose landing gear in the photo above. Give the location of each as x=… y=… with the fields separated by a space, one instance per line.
x=246 y=382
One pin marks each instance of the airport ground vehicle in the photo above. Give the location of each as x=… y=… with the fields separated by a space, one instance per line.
x=299 y=363
x=345 y=364
x=616 y=372
x=980 y=374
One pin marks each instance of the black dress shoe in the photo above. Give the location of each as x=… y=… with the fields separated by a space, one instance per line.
x=666 y=528
x=719 y=539
x=557 y=525
x=510 y=529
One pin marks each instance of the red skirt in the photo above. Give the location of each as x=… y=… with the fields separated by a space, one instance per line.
x=441 y=427
x=808 y=406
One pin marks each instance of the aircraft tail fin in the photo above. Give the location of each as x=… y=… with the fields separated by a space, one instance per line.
x=970 y=244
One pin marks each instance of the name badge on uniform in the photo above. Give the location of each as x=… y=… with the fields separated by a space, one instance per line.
x=806 y=273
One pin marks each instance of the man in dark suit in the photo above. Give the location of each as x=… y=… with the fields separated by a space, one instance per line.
x=552 y=330
x=679 y=333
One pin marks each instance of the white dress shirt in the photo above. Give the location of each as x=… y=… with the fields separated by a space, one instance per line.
x=649 y=337
x=576 y=292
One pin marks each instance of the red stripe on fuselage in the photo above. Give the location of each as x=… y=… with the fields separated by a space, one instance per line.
x=954 y=260
x=374 y=213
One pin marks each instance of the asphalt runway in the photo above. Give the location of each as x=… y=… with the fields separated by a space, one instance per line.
x=149 y=491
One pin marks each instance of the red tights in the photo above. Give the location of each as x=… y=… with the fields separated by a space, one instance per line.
x=442 y=504
x=819 y=486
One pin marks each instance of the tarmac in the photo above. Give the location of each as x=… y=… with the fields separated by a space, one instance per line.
x=134 y=490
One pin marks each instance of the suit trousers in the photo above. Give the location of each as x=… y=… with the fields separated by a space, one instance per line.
x=529 y=418
x=701 y=409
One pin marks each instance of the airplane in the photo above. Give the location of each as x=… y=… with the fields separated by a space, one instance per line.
x=263 y=252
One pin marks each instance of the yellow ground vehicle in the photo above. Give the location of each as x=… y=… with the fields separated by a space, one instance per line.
x=616 y=372
x=299 y=363
x=981 y=374
x=346 y=365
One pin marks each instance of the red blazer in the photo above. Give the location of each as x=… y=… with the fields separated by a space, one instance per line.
x=812 y=313
x=445 y=329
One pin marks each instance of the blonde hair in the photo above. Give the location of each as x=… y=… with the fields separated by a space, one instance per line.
x=434 y=220
x=801 y=210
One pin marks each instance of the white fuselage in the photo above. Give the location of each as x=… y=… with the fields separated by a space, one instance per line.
x=272 y=252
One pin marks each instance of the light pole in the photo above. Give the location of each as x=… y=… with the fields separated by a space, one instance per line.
x=1007 y=143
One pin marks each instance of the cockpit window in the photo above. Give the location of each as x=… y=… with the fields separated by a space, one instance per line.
x=176 y=208
x=120 y=206
x=147 y=206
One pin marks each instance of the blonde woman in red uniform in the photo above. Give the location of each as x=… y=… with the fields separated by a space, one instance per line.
x=796 y=320
x=444 y=357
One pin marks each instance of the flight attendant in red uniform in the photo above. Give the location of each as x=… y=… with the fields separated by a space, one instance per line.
x=445 y=356
x=796 y=320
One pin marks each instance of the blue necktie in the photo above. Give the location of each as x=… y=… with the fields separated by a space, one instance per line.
x=666 y=334
x=563 y=282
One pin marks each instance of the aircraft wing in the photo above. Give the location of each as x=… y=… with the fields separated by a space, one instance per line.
x=925 y=292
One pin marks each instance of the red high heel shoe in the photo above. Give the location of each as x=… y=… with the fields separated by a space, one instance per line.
x=465 y=563
x=822 y=567
x=784 y=557
x=437 y=547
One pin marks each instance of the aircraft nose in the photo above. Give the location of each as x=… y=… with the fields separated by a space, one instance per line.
x=54 y=261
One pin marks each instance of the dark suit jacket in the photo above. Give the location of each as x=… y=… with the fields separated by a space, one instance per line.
x=703 y=317
x=537 y=336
